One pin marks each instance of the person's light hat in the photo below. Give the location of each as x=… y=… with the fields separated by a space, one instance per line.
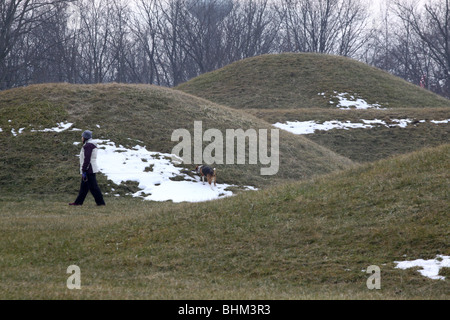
x=87 y=135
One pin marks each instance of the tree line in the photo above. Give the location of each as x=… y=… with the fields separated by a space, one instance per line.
x=167 y=42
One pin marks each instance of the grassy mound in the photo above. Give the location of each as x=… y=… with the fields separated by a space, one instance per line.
x=306 y=80
x=45 y=162
x=312 y=240
x=300 y=87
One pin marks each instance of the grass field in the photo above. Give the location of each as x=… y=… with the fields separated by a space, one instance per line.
x=305 y=80
x=306 y=240
x=343 y=200
x=300 y=87
x=45 y=162
x=366 y=145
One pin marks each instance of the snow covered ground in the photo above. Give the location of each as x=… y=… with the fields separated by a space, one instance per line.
x=348 y=101
x=309 y=127
x=153 y=171
x=157 y=174
x=62 y=126
x=295 y=127
x=160 y=180
x=430 y=268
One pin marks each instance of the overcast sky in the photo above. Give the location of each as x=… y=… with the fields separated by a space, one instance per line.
x=377 y=7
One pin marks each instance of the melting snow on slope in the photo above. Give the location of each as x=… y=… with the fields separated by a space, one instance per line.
x=14 y=133
x=309 y=127
x=348 y=101
x=62 y=126
x=430 y=268
x=357 y=103
x=440 y=121
x=153 y=170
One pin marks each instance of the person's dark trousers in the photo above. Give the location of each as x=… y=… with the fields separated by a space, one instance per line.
x=90 y=185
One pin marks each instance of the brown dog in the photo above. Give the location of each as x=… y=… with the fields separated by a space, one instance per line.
x=208 y=172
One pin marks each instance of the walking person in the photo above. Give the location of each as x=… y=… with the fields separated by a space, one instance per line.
x=88 y=169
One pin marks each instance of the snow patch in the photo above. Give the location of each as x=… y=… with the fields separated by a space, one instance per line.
x=347 y=101
x=309 y=127
x=357 y=103
x=430 y=268
x=62 y=126
x=153 y=171
x=15 y=134
x=441 y=121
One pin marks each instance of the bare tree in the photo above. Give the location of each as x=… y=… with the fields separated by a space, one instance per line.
x=324 y=26
x=96 y=26
x=201 y=32
x=432 y=26
x=174 y=59
x=384 y=34
x=167 y=42
x=257 y=29
x=215 y=33
x=145 y=28
x=120 y=45
x=17 y=19
x=353 y=33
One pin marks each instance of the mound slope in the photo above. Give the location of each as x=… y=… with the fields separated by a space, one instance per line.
x=45 y=162
x=404 y=130
x=307 y=80
x=313 y=239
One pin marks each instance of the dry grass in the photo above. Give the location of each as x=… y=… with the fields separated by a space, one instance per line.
x=291 y=81
x=308 y=234
x=309 y=240
x=140 y=112
x=367 y=145
x=286 y=87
